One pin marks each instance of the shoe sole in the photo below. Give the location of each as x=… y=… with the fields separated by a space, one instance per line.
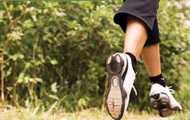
x=162 y=104
x=115 y=97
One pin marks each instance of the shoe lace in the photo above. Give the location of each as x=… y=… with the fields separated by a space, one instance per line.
x=169 y=88
x=135 y=90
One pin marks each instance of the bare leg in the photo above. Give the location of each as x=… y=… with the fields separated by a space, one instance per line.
x=135 y=37
x=151 y=57
x=158 y=95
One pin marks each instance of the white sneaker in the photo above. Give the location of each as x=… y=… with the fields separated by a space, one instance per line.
x=162 y=99
x=121 y=77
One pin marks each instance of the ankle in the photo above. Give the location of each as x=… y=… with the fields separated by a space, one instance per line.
x=159 y=79
x=133 y=59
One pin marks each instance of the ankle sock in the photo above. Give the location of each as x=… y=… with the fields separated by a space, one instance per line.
x=159 y=79
x=133 y=59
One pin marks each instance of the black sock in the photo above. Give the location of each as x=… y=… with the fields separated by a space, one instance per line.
x=158 y=79
x=133 y=59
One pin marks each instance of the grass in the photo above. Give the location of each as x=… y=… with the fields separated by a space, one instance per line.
x=90 y=114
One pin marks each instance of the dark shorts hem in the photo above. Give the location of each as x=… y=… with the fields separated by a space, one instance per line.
x=121 y=19
x=150 y=23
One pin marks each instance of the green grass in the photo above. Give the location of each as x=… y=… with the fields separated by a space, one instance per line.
x=90 y=114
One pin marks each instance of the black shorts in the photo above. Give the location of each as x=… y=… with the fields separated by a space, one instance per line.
x=146 y=11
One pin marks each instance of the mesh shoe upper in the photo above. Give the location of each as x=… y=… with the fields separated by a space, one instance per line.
x=159 y=89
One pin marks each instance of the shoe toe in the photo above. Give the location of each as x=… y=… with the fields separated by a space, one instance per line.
x=177 y=108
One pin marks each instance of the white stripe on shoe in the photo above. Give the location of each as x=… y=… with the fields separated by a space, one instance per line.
x=129 y=79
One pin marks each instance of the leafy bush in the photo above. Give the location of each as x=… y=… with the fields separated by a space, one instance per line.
x=56 y=51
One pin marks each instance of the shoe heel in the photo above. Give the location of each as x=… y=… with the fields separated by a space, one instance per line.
x=114 y=64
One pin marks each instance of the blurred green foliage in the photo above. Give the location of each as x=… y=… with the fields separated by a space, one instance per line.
x=55 y=51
